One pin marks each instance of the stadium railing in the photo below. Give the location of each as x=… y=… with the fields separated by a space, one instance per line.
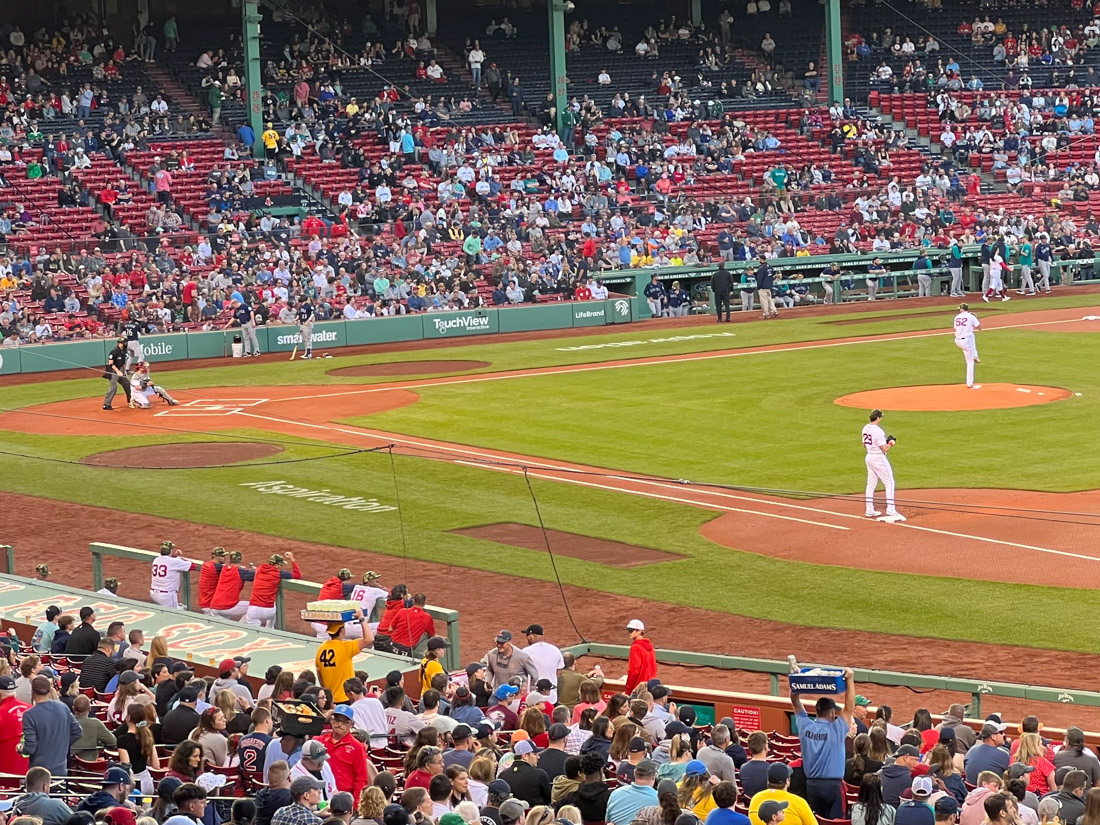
x=776 y=669
x=100 y=550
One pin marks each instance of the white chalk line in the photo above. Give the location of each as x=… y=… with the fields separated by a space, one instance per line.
x=646 y=362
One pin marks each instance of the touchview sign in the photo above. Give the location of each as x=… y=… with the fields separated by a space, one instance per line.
x=452 y=324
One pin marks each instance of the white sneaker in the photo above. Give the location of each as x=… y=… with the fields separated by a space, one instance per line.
x=985 y=298
x=872 y=514
x=893 y=516
x=1006 y=298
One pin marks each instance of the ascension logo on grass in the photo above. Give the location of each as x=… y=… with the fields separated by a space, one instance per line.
x=466 y=323
x=296 y=338
x=323 y=496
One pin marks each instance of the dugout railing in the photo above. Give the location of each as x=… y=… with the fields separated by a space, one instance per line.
x=100 y=551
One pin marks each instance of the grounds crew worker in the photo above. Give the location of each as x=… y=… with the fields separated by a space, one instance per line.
x=335 y=658
x=721 y=284
x=116 y=372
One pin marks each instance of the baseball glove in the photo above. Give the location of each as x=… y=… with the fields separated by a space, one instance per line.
x=890 y=439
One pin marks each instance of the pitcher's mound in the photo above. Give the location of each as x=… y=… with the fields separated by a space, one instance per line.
x=954 y=397
x=398 y=369
x=188 y=455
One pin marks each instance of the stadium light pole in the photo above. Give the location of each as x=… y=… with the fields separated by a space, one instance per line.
x=558 y=81
x=250 y=37
x=834 y=51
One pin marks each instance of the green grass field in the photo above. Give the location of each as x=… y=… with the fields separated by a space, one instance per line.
x=761 y=420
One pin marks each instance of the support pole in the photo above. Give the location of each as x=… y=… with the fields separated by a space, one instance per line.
x=556 y=10
x=431 y=17
x=696 y=12
x=834 y=51
x=253 y=86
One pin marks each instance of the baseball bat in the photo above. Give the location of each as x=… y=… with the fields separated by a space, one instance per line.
x=295 y=352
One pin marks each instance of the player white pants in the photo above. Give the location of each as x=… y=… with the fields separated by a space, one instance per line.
x=306 y=331
x=996 y=284
x=1044 y=275
x=259 y=616
x=924 y=286
x=1026 y=283
x=985 y=277
x=144 y=398
x=872 y=288
x=235 y=613
x=970 y=351
x=879 y=469
x=135 y=352
x=746 y=300
x=164 y=598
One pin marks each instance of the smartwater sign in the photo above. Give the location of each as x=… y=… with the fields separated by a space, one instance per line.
x=325 y=336
x=456 y=324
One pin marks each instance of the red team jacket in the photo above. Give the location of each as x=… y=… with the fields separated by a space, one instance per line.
x=266 y=584
x=333 y=588
x=208 y=582
x=228 y=591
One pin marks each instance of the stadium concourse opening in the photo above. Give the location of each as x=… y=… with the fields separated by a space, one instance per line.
x=954 y=397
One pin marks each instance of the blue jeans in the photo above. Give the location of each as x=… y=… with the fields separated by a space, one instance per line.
x=83 y=112
x=476 y=72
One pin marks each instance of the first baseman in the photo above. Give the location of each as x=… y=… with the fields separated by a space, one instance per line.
x=965 y=326
x=878 y=443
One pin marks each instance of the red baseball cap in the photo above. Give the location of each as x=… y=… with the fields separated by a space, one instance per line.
x=120 y=816
x=226 y=666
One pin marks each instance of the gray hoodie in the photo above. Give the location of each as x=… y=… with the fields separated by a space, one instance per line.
x=229 y=684
x=50 y=811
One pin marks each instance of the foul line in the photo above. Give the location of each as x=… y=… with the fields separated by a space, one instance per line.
x=998 y=541
x=654 y=361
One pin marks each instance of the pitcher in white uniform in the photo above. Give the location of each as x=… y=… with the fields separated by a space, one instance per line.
x=166 y=568
x=966 y=324
x=877 y=445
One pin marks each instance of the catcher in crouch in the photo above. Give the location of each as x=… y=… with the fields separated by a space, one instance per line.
x=142 y=388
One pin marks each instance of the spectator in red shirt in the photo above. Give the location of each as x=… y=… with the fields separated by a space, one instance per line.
x=347 y=756
x=411 y=624
x=11 y=729
x=582 y=292
x=642 y=665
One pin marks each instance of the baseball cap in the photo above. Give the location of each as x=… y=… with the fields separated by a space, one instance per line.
x=500 y=788
x=242 y=660
x=922 y=787
x=120 y=815
x=128 y=677
x=504 y=636
x=946 y=804
x=461 y=733
x=907 y=750
x=334 y=628
x=512 y=810
x=343 y=710
x=770 y=808
x=473 y=668
x=341 y=802
x=990 y=729
x=117 y=776
x=226 y=666
x=544 y=685
x=437 y=643
x=778 y=772
x=675 y=728
x=371 y=576
x=305 y=783
x=947 y=734
x=7 y=683
x=484 y=729
x=451 y=819
x=1018 y=770
x=695 y=767
x=647 y=767
x=524 y=747
x=637 y=745
x=315 y=750
x=1075 y=736
x=188 y=695
x=862 y=701
x=218 y=551
x=635 y=624
x=533 y=628
x=505 y=692
x=557 y=732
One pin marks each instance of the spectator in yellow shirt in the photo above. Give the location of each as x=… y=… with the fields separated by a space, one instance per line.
x=430 y=665
x=697 y=790
x=270 y=140
x=798 y=809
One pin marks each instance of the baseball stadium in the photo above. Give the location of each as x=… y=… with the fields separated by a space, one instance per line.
x=549 y=413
